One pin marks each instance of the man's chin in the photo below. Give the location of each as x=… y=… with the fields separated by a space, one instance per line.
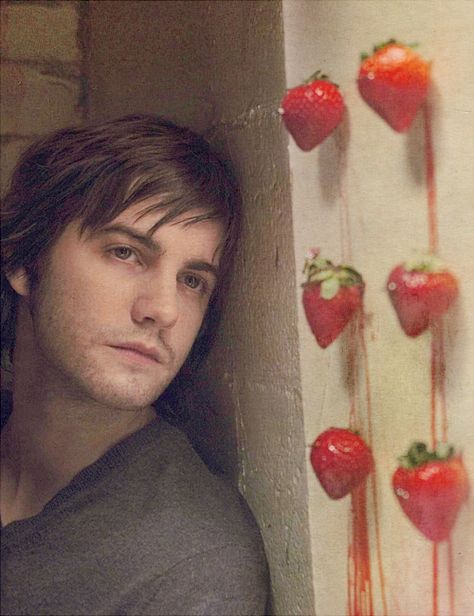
x=125 y=404
x=127 y=397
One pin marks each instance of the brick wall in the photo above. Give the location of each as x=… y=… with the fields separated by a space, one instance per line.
x=43 y=73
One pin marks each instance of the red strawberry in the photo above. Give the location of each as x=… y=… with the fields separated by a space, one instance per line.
x=394 y=81
x=312 y=111
x=331 y=295
x=431 y=486
x=341 y=461
x=421 y=290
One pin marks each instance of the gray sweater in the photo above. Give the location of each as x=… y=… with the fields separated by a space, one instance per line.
x=146 y=529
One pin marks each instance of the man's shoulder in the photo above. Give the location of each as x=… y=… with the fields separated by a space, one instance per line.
x=188 y=524
x=200 y=501
x=162 y=534
x=205 y=533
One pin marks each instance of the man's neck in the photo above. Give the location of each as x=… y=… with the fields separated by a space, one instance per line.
x=49 y=437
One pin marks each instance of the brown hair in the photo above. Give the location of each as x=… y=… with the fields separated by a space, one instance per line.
x=94 y=173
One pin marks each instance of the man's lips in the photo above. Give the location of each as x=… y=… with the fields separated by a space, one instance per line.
x=141 y=350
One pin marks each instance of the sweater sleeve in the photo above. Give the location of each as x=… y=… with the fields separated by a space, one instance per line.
x=231 y=580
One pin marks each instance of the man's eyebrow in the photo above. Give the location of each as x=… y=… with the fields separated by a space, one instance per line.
x=154 y=246
x=203 y=266
x=145 y=240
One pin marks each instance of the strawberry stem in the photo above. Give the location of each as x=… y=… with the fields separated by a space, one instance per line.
x=364 y=55
x=331 y=277
x=419 y=454
x=391 y=41
x=424 y=263
x=319 y=76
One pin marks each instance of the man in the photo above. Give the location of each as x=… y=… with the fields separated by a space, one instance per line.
x=116 y=249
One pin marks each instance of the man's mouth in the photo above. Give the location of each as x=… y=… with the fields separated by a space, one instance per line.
x=139 y=352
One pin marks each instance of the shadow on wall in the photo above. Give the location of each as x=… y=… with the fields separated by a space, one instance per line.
x=209 y=431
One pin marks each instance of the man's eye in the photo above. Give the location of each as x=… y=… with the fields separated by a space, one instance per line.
x=124 y=253
x=195 y=282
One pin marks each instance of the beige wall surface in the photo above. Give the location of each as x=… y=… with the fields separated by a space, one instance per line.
x=259 y=340
x=386 y=198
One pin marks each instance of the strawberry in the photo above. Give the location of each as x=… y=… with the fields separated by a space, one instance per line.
x=331 y=295
x=431 y=486
x=341 y=461
x=312 y=110
x=394 y=81
x=421 y=290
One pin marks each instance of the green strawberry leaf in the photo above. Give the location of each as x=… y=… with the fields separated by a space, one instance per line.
x=319 y=76
x=348 y=276
x=444 y=451
x=330 y=287
x=419 y=454
x=320 y=262
x=320 y=276
x=391 y=41
x=424 y=263
x=364 y=55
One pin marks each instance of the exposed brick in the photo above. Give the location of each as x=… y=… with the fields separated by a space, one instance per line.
x=34 y=103
x=37 y=32
x=10 y=153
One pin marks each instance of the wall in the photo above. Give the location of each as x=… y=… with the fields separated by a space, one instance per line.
x=259 y=344
x=383 y=188
x=219 y=68
x=42 y=67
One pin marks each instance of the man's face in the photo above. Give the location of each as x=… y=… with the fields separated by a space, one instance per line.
x=116 y=311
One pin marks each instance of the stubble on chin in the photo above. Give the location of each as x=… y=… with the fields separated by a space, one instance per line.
x=74 y=361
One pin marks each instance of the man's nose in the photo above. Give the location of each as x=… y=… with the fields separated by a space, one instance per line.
x=157 y=302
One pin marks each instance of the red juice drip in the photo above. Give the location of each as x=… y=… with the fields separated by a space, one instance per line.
x=374 y=485
x=430 y=181
x=368 y=389
x=361 y=602
x=438 y=382
x=341 y=141
x=350 y=577
x=344 y=222
x=435 y=579
x=442 y=381
x=434 y=375
x=351 y=368
x=359 y=588
x=451 y=577
x=438 y=363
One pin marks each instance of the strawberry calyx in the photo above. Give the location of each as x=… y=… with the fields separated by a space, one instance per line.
x=331 y=277
x=428 y=264
x=419 y=454
x=319 y=76
x=364 y=55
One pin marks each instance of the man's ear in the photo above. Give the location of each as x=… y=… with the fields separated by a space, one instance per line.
x=19 y=282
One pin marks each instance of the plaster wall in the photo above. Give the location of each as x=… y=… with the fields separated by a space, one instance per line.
x=385 y=192
x=259 y=377
x=41 y=66
x=218 y=67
